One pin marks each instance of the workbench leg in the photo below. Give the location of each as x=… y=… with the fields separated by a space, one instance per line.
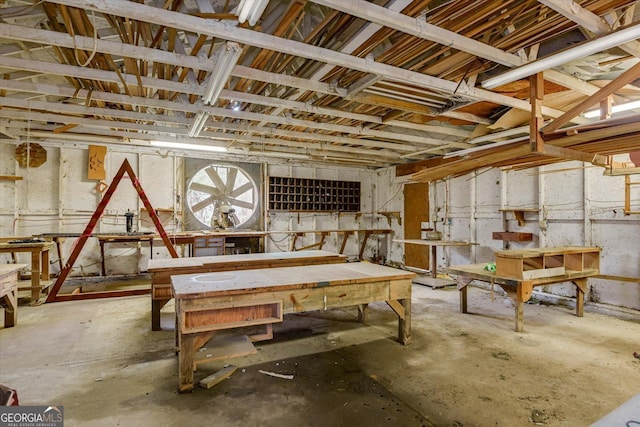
x=45 y=265
x=59 y=249
x=404 y=325
x=519 y=315
x=11 y=308
x=35 y=276
x=362 y=312
x=102 y=257
x=581 y=288
x=156 y=306
x=434 y=262
x=185 y=363
x=462 y=284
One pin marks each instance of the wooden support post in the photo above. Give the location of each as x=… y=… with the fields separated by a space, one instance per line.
x=186 y=366
x=581 y=288
x=364 y=244
x=536 y=91
x=345 y=237
x=362 y=312
x=35 y=275
x=404 y=324
x=462 y=283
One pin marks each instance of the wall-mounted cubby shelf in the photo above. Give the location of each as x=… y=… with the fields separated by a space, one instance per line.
x=313 y=195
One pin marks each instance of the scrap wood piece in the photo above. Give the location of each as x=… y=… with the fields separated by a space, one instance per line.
x=217 y=377
x=273 y=374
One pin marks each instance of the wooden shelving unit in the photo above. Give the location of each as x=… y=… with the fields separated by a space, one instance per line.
x=313 y=195
x=528 y=264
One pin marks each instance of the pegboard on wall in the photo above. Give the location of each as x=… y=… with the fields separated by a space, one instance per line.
x=209 y=182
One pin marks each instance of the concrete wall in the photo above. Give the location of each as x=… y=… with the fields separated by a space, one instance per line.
x=57 y=197
x=374 y=192
x=576 y=206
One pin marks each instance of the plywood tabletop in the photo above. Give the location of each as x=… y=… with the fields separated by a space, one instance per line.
x=169 y=263
x=434 y=242
x=478 y=272
x=5 y=246
x=6 y=269
x=190 y=286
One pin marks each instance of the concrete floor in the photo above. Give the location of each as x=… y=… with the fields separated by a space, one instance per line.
x=100 y=360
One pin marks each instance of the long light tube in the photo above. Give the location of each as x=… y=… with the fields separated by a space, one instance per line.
x=198 y=124
x=251 y=10
x=185 y=146
x=227 y=60
x=598 y=45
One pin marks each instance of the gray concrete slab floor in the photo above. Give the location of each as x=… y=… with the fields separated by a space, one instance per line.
x=100 y=360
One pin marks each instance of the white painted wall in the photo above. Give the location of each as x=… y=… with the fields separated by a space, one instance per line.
x=374 y=191
x=57 y=197
x=578 y=206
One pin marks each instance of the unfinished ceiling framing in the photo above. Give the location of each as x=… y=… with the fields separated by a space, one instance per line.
x=358 y=83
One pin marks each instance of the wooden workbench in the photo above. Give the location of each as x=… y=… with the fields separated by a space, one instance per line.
x=209 y=302
x=39 y=264
x=162 y=269
x=577 y=265
x=190 y=239
x=9 y=292
x=433 y=263
x=346 y=233
x=122 y=238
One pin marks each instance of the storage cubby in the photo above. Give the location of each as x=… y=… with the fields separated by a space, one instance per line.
x=317 y=195
x=528 y=264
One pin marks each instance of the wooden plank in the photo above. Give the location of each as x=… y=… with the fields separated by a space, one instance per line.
x=627 y=77
x=510 y=236
x=223 y=347
x=232 y=315
x=218 y=377
x=542 y=272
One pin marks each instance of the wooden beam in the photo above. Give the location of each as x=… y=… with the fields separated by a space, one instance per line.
x=569 y=154
x=536 y=94
x=589 y=20
x=627 y=77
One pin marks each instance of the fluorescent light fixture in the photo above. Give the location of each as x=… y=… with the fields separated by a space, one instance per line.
x=227 y=60
x=185 y=146
x=198 y=124
x=615 y=109
x=585 y=49
x=251 y=10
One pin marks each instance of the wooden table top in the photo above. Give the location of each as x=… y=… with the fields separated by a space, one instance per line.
x=7 y=269
x=478 y=272
x=425 y=242
x=171 y=263
x=191 y=286
x=25 y=247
